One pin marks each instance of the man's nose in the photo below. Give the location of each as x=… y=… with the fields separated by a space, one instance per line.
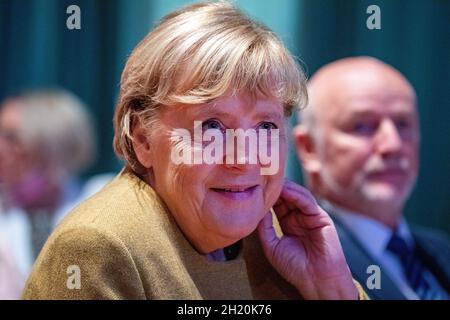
x=388 y=139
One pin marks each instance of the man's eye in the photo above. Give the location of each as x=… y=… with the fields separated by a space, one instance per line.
x=364 y=128
x=212 y=124
x=267 y=125
x=10 y=137
x=402 y=124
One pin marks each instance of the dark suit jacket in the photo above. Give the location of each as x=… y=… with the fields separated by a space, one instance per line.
x=433 y=248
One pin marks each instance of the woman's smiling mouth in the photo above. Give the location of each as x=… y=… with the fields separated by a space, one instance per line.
x=238 y=192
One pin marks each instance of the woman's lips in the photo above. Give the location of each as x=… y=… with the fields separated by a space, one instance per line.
x=236 y=192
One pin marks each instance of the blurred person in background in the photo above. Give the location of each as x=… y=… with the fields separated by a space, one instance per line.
x=46 y=139
x=358 y=142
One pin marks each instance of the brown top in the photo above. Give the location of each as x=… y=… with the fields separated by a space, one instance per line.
x=127 y=246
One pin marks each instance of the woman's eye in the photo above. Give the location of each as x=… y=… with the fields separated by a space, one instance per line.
x=267 y=126
x=212 y=124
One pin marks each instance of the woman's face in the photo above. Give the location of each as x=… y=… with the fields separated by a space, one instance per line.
x=217 y=204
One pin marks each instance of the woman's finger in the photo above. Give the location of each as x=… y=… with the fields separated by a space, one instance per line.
x=267 y=235
x=281 y=208
x=301 y=198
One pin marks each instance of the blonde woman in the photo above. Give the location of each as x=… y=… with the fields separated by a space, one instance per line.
x=182 y=221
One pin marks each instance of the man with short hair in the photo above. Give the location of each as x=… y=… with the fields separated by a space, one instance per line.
x=358 y=143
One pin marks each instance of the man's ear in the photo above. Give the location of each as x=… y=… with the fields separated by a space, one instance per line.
x=306 y=149
x=141 y=144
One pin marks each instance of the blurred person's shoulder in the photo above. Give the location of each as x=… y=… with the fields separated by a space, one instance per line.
x=11 y=281
x=77 y=193
x=124 y=205
x=15 y=229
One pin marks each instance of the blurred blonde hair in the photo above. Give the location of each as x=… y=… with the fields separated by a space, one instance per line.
x=197 y=54
x=57 y=129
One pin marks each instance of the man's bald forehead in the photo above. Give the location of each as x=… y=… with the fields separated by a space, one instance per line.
x=333 y=81
x=352 y=64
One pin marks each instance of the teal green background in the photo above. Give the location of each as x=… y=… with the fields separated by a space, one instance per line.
x=37 y=50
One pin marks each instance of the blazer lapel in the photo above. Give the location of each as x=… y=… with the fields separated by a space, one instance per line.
x=359 y=259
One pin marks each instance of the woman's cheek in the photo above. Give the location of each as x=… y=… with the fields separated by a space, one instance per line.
x=273 y=190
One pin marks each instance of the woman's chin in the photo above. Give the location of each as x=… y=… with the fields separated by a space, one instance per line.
x=236 y=232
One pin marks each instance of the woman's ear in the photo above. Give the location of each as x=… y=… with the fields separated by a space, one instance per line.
x=306 y=149
x=141 y=143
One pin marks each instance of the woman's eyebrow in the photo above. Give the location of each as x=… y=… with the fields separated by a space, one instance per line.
x=211 y=110
x=270 y=115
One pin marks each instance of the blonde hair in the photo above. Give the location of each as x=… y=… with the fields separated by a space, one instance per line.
x=56 y=127
x=195 y=55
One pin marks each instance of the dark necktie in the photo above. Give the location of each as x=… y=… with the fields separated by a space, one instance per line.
x=412 y=267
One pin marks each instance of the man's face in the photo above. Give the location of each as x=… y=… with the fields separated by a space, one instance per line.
x=367 y=143
x=13 y=158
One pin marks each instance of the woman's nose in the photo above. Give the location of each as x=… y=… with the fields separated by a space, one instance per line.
x=241 y=150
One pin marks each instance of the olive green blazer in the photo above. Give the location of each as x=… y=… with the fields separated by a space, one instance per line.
x=123 y=244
